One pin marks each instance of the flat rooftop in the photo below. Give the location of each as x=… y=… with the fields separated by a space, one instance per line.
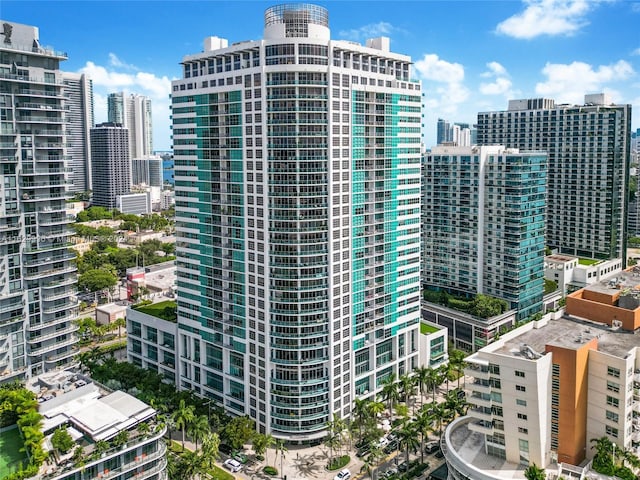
x=625 y=280
x=71 y=398
x=560 y=258
x=571 y=332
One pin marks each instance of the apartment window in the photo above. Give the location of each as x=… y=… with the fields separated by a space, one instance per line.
x=521 y=403
x=522 y=416
x=519 y=374
x=611 y=431
x=521 y=388
x=523 y=430
x=613 y=387
x=614 y=417
x=612 y=401
x=613 y=372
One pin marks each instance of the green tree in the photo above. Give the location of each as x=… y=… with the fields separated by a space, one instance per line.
x=485 y=306
x=407 y=438
x=390 y=392
x=199 y=428
x=533 y=472
x=238 y=431
x=281 y=447
x=61 y=440
x=434 y=378
x=210 y=450
x=97 y=279
x=421 y=374
x=120 y=323
x=183 y=416
x=407 y=387
x=457 y=362
x=424 y=425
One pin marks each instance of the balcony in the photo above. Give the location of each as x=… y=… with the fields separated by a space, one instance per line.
x=11 y=321
x=55 y=321
x=49 y=259
x=72 y=303
x=481 y=427
x=47 y=273
x=41 y=338
x=70 y=340
x=65 y=292
x=61 y=356
x=10 y=307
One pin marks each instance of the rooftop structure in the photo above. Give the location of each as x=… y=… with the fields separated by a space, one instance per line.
x=95 y=418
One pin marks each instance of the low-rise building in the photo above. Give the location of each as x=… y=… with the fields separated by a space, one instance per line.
x=116 y=435
x=151 y=338
x=109 y=313
x=571 y=274
x=542 y=391
x=433 y=345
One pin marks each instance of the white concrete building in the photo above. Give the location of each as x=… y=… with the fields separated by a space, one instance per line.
x=541 y=393
x=571 y=275
x=304 y=294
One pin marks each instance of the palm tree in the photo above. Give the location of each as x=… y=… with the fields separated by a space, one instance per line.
x=360 y=412
x=440 y=414
x=191 y=465
x=456 y=405
x=533 y=472
x=434 y=379
x=368 y=466
x=390 y=392
x=421 y=374
x=268 y=442
x=445 y=369
x=407 y=438
x=199 y=428
x=424 y=425
x=456 y=360
x=407 y=386
x=183 y=416
x=603 y=459
x=280 y=447
x=210 y=450
x=332 y=441
x=120 y=323
x=375 y=409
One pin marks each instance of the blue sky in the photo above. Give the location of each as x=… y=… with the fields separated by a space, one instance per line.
x=471 y=55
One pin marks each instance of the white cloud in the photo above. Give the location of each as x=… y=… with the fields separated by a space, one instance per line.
x=636 y=51
x=569 y=82
x=371 y=30
x=431 y=67
x=114 y=61
x=108 y=80
x=547 y=17
x=443 y=86
x=501 y=84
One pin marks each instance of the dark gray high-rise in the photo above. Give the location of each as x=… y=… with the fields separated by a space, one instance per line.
x=588 y=148
x=111 y=166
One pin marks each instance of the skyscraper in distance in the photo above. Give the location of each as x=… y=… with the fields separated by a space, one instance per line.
x=588 y=147
x=78 y=90
x=133 y=112
x=111 y=165
x=37 y=269
x=297 y=168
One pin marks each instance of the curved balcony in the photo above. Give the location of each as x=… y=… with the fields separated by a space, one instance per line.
x=464 y=451
x=61 y=356
x=41 y=338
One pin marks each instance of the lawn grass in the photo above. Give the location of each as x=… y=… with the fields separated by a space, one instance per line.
x=165 y=310
x=588 y=261
x=219 y=474
x=10 y=455
x=426 y=329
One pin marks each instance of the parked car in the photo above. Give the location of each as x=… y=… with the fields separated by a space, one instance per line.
x=393 y=445
x=343 y=474
x=232 y=465
x=403 y=467
x=439 y=453
x=390 y=472
x=240 y=457
x=224 y=448
x=363 y=452
x=431 y=447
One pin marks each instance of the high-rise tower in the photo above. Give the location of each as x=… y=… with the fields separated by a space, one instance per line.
x=134 y=113
x=588 y=148
x=484 y=212
x=37 y=272
x=111 y=165
x=297 y=174
x=78 y=90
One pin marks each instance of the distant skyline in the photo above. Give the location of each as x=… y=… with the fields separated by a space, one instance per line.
x=471 y=56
